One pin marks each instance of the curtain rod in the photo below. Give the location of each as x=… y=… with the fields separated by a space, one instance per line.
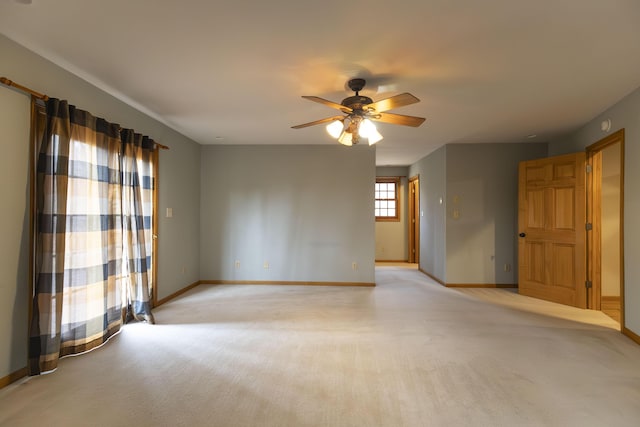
x=8 y=82
x=38 y=95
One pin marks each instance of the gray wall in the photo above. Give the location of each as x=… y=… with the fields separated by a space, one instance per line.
x=14 y=230
x=469 y=211
x=306 y=210
x=392 y=237
x=179 y=187
x=178 y=236
x=433 y=192
x=624 y=114
x=482 y=211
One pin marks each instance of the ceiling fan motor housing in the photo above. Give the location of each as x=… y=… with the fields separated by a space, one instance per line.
x=357 y=102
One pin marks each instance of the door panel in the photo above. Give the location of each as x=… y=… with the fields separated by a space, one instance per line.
x=536 y=209
x=565 y=257
x=535 y=272
x=564 y=209
x=551 y=215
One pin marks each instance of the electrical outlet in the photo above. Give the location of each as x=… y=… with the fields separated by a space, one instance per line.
x=184 y=270
x=237 y=265
x=354 y=266
x=266 y=265
x=507 y=267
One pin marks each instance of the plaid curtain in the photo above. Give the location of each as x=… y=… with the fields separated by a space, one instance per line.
x=81 y=264
x=138 y=183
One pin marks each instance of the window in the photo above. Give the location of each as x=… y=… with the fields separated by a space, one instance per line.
x=386 y=199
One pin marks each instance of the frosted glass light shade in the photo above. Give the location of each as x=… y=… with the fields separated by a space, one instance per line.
x=346 y=138
x=335 y=128
x=368 y=130
x=366 y=126
x=374 y=137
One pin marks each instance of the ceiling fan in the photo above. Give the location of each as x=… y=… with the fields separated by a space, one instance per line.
x=359 y=111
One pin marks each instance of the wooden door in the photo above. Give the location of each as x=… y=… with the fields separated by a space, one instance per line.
x=414 y=220
x=551 y=223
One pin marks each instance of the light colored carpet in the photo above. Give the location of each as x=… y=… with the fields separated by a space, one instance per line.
x=406 y=353
x=510 y=298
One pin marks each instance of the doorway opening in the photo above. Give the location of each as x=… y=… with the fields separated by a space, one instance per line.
x=414 y=219
x=605 y=246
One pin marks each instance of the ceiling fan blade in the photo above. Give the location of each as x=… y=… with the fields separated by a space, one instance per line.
x=318 y=122
x=399 y=119
x=393 y=102
x=328 y=103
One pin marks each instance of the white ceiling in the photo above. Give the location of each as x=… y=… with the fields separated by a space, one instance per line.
x=233 y=71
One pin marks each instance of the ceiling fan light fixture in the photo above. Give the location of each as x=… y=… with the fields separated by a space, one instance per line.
x=335 y=128
x=359 y=110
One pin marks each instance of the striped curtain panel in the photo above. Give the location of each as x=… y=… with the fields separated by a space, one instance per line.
x=82 y=268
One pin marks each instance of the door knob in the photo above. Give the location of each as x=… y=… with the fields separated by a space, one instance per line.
x=522 y=234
